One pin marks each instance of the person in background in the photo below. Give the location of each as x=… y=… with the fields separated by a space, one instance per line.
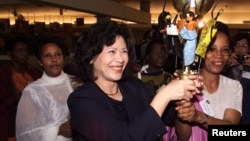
x=221 y=95
x=42 y=113
x=112 y=106
x=140 y=48
x=239 y=69
x=15 y=75
x=154 y=76
x=152 y=73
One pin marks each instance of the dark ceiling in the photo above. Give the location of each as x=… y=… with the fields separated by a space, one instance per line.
x=235 y=11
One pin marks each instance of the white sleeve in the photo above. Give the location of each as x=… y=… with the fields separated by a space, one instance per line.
x=36 y=120
x=237 y=95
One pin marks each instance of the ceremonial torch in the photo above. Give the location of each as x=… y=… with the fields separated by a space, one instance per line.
x=190 y=14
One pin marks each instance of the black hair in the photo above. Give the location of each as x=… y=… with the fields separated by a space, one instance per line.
x=92 y=43
x=13 y=41
x=222 y=27
x=44 y=39
x=151 y=44
x=240 y=36
x=163 y=20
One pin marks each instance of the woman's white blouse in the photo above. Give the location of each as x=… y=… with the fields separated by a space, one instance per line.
x=228 y=96
x=43 y=108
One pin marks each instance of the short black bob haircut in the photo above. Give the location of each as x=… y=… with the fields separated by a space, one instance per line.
x=92 y=43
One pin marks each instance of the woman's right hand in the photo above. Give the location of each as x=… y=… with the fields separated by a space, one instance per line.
x=188 y=87
x=65 y=130
x=181 y=89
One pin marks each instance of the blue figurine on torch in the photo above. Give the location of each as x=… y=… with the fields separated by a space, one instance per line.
x=187 y=26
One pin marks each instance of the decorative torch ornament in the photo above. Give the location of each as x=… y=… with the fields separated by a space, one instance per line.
x=182 y=33
x=187 y=27
x=190 y=12
x=202 y=6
